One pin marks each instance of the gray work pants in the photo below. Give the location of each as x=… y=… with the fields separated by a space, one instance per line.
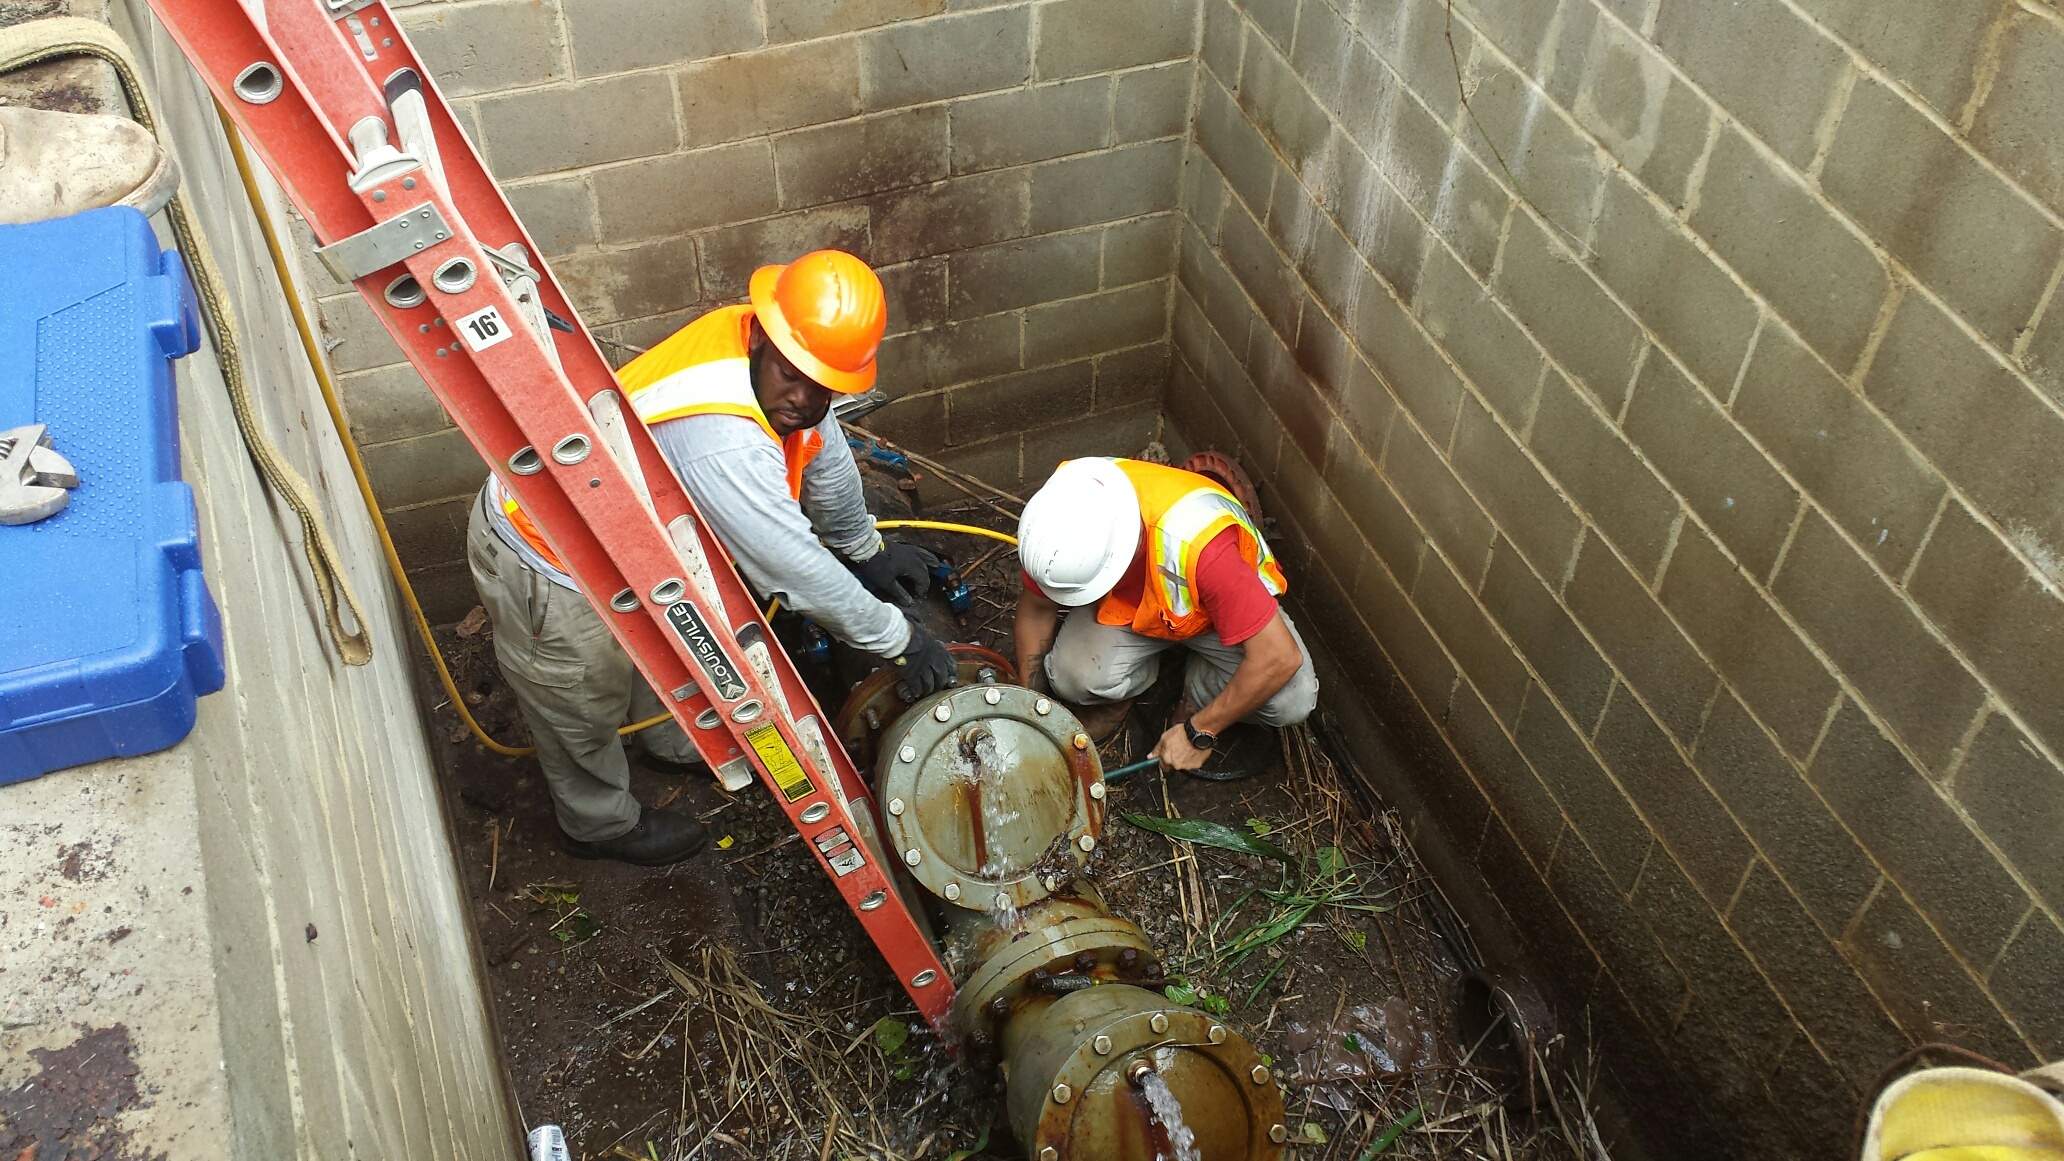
x=575 y=686
x=1094 y=664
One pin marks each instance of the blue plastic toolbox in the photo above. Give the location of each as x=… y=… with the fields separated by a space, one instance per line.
x=107 y=631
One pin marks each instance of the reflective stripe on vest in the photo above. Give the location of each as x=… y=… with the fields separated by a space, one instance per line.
x=701 y=369
x=718 y=387
x=1182 y=512
x=521 y=522
x=1179 y=539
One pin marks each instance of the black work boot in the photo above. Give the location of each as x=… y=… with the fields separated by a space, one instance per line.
x=660 y=838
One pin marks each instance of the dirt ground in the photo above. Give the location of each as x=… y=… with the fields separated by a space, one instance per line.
x=731 y=1007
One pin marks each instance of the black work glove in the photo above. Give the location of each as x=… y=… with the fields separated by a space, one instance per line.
x=898 y=574
x=924 y=665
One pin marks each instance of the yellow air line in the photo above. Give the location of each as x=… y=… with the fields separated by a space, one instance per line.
x=943 y=526
x=358 y=472
x=937 y=525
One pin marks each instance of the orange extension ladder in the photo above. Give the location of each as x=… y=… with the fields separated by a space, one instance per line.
x=334 y=100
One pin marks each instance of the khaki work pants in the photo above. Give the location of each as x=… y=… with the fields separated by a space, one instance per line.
x=575 y=686
x=1093 y=664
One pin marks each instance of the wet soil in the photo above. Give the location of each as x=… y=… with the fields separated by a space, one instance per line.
x=1355 y=1005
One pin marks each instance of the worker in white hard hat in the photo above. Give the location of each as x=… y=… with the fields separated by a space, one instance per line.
x=1170 y=560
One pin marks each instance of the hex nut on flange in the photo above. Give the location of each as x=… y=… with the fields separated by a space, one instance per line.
x=1062 y=1094
x=1260 y=1075
x=1278 y=1134
x=1049 y=1154
x=1159 y=1023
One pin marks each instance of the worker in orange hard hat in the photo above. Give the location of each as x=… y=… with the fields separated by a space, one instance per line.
x=739 y=402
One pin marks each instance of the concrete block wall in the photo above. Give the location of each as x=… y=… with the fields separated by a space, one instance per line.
x=1663 y=404
x=251 y=945
x=1010 y=168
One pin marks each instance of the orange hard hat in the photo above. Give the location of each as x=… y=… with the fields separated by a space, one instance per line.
x=826 y=312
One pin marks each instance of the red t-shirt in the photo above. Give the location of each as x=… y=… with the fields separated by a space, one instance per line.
x=1232 y=596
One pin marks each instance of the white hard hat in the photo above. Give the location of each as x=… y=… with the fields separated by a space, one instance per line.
x=1080 y=531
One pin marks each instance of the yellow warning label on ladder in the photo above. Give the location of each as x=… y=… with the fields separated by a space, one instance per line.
x=781 y=762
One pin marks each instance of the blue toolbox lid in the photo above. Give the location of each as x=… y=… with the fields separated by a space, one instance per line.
x=107 y=631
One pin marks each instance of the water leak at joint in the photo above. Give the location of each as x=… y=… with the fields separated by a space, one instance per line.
x=977 y=742
x=1166 y=1112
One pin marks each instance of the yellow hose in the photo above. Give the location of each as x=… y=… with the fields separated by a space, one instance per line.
x=358 y=472
x=943 y=526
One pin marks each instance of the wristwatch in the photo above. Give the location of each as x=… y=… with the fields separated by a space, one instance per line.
x=1199 y=738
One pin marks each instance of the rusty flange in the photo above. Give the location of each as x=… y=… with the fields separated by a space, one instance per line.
x=874 y=703
x=991 y=795
x=1226 y=472
x=1090 y=947
x=1080 y=1081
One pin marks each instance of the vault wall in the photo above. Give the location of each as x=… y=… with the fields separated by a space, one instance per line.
x=1662 y=401
x=1010 y=168
x=250 y=945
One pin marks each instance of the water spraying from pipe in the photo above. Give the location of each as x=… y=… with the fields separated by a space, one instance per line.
x=1168 y=1111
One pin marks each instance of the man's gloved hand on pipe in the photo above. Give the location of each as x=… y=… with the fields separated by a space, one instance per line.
x=924 y=665
x=899 y=573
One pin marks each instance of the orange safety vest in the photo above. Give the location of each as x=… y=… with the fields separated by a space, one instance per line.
x=1182 y=512
x=701 y=369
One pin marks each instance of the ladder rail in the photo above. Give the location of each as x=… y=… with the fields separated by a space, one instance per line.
x=516 y=403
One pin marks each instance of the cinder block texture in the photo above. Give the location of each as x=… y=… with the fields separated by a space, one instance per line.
x=1659 y=401
x=1672 y=389
x=1011 y=168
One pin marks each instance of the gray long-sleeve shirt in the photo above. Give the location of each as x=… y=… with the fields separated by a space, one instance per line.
x=739 y=482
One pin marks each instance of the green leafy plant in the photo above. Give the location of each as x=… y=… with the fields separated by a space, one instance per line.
x=1181 y=991
x=981 y=1143
x=892 y=1039
x=1211 y=834
x=1395 y=1131
x=570 y=924
x=1327 y=879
